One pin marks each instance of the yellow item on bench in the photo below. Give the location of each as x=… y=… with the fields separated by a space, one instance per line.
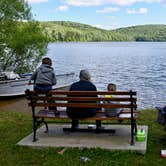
x=108 y=96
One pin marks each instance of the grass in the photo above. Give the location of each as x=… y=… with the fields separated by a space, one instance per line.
x=14 y=126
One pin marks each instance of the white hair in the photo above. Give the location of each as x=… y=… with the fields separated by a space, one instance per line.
x=85 y=75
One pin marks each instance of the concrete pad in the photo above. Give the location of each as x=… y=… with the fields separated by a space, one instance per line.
x=57 y=138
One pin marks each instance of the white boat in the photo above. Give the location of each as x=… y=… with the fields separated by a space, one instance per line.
x=12 y=84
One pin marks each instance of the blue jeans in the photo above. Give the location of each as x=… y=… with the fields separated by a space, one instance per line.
x=45 y=89
x=42 y=88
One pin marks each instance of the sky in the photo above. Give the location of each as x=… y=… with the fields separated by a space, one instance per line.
x=105 y=14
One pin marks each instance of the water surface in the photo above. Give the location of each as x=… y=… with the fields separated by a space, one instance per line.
x=139 y=66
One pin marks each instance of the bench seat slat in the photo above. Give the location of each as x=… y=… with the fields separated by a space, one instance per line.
x=86 y=93
x=125 y=111
x=83 y=105
x=38 y=98
x=63 y=115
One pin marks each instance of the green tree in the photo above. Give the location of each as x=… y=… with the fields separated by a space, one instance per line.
x=22 y=41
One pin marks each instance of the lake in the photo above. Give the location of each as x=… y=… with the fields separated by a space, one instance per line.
x=140 y=66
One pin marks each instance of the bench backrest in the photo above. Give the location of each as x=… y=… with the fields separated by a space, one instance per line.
x=83 y=99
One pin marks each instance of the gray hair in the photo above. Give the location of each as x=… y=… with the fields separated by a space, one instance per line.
x=85 y=75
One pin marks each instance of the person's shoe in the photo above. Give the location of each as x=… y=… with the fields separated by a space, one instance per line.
x=56 y=113
x=75 y=126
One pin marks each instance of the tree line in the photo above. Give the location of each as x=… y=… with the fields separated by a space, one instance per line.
x=145 y=32
x=71 y=31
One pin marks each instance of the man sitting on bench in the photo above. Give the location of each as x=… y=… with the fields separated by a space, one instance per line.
x=83 y=85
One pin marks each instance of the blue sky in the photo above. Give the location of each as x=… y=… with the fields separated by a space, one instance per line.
x=106 y=14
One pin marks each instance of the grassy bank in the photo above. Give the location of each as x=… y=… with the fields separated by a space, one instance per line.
x=14 y=126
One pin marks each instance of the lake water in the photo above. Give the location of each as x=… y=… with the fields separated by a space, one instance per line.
x=140 y=66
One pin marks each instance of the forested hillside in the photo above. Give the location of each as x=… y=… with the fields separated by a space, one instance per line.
x=71 y=31
x=145 y=32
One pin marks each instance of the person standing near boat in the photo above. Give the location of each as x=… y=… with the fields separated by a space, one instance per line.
x=44 y=77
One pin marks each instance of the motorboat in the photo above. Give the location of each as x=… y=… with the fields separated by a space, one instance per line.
x=12 y=84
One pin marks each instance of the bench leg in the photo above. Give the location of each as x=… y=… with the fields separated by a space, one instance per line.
x=46 y=131
x=135 y=127
x=132 y=132
x=36 y=124
x=43 y=121
x=34 y=129
x=132 y=136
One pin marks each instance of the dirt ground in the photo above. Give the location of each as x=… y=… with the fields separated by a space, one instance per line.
x=19 y=104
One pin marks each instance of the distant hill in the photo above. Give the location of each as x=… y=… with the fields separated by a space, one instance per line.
x=145 y=32
x=72 y=31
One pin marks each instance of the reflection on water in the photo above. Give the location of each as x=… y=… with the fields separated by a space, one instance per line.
x=138 y=66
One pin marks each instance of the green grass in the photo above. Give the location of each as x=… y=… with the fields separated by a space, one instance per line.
x=14 y=126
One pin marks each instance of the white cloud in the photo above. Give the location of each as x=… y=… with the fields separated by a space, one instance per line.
x=103 y=2
x=107 y=27
x=162 y=1
x=112 y=17
x=63 y=8
x=108 y=10
x=84 y=2
x=143 y=10
x=36 y=1
x=139 y=11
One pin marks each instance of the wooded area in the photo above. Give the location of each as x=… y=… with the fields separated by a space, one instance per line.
x=71 y=31
x=22 y=41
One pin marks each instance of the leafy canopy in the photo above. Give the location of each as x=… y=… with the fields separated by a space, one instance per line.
x=22 y=41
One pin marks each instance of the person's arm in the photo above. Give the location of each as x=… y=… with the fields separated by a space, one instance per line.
x=94 y=88
x=54 y=80
x=33 y=77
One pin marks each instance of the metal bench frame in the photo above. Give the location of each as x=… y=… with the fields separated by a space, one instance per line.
x=40 y=104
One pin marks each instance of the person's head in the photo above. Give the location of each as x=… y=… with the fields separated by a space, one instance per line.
x=111 y=87
x=47 y=61
x=85 y=75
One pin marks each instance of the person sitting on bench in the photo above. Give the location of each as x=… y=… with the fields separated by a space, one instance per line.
x=112 y=111
x=84 y=84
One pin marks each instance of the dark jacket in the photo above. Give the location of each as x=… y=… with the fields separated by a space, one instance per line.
x=82 y=112
x=83 y=86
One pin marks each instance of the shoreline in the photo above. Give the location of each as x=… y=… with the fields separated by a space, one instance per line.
x=19 y=104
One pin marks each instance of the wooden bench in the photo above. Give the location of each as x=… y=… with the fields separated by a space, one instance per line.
x=40 y=104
